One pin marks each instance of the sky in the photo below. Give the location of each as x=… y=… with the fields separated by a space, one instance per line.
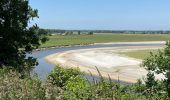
x=103 y=14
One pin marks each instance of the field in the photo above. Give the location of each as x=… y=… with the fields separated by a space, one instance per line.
x=58 y=40
x=139 y=54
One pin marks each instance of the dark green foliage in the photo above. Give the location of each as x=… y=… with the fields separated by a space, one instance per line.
x=43 y=33
x=151 y=85
x=150 y=80
x=16 y=38
x=90 y=33
x=160 y=64
x=79 y=33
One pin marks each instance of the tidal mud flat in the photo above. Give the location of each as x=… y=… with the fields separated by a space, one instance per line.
x=106 y=59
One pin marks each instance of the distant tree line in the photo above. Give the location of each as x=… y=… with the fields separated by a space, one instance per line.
x=59 y=31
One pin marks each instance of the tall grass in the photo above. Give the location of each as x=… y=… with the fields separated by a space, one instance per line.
x=65 y=85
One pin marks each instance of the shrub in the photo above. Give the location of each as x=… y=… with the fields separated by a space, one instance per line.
x=77 y=87
x=60 y=75
x=68 y=84
x=159 y=63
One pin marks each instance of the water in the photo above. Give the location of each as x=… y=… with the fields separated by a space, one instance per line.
x=44 y=68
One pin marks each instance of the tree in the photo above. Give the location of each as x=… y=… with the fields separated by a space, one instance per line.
x=79 y=33
x=17 y=39
x=160 y=64
x=151 y=85
x=150 y=80
x=90 y=33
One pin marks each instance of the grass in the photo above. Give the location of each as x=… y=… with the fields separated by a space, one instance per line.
x=139 y=54
x=58 y=40
x=72 y=86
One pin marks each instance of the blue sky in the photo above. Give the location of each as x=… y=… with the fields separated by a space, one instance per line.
x=103 y=14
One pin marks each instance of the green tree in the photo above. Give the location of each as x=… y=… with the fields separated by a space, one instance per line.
x=90 y=33
x=79 y=33
x=160 y=64
x=151 y=85
x=150 y=80
x=16 y=37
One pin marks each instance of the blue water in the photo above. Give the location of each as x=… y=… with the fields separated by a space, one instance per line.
x=44 y=68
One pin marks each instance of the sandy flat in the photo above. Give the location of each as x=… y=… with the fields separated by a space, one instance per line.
x=102 y=59
x=106 y=60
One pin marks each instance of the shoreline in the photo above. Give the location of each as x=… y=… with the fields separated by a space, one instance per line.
x=115 y=74
x=108 y=43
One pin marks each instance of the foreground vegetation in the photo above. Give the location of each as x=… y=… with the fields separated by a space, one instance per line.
x=17 y=39
x=68 y=84
x=59 y=40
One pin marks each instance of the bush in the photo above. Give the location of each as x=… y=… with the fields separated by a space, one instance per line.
x=68 y=84
x=159 y=64
x=60 y=75
x=77 y=87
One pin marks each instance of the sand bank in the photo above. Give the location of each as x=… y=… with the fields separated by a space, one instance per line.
x=106 y=60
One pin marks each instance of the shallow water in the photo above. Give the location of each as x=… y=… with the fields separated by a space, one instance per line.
x=44 y=68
